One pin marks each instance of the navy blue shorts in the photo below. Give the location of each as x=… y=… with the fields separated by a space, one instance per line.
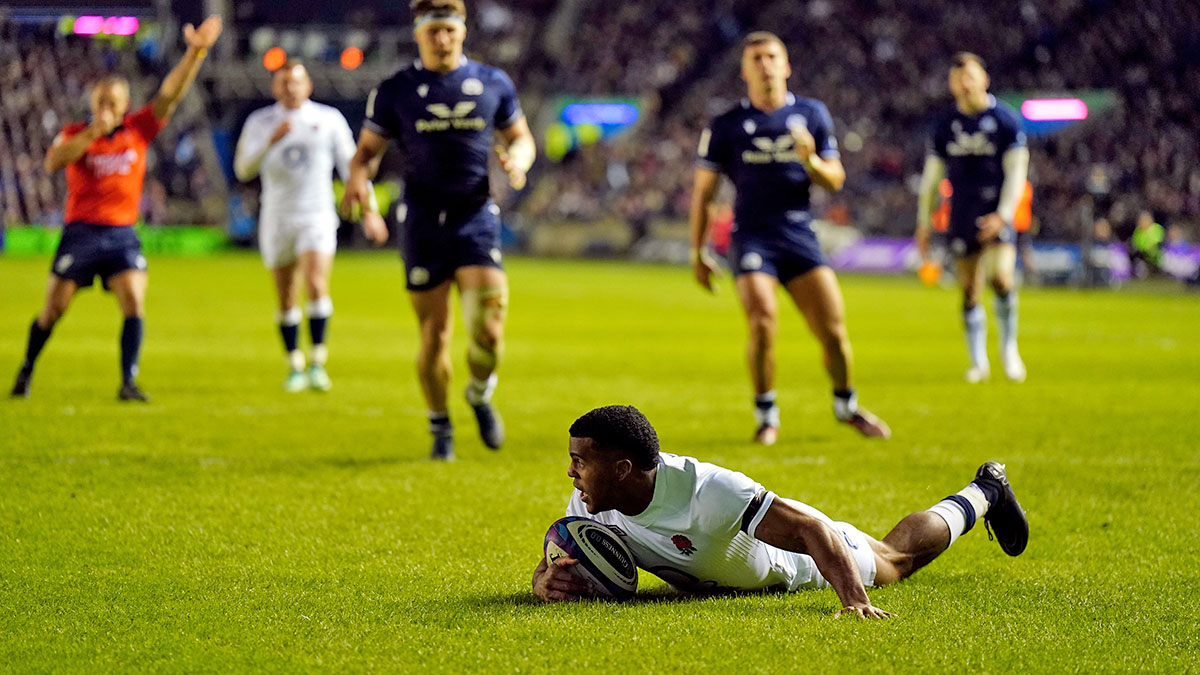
x=88 y=251
x=437 y=242
x=784 y=256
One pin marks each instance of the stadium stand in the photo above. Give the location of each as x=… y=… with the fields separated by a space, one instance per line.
x=878 y=64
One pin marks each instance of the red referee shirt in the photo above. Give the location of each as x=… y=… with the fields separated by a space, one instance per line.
x=104 y=186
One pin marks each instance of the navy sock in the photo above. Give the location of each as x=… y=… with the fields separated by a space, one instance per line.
x=291 y=337
x=316 y=329
x=131 y=346
x=37 y=340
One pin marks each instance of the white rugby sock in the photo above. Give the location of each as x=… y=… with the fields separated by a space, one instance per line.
x=975 y=328
x=845 y=403
x=480 y=391
x=766 y=413
x=960 y=511
x=1006 y=316
x=320 y=354
x=296 y=360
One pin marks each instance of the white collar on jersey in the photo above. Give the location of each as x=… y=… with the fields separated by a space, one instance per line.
x=790 y=100
x=462 y=61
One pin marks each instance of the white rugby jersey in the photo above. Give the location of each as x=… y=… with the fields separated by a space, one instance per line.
x=296 y=171
x=698 y=532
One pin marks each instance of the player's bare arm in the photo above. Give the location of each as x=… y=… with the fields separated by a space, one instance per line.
x=358 y=189
x=790 y=529
x=69 y=150
x=517 y=152
x=704 y=190
x=931 y=176
x=825 y=172
x=180 y=79
x=557 y=582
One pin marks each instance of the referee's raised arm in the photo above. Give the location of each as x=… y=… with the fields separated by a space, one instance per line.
x=180 y=79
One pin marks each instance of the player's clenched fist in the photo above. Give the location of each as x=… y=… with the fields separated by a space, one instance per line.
x=989 y=226
x=704 y=268
x=374 y=227
x=281 y=131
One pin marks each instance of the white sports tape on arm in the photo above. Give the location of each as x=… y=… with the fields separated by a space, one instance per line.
x=931 y=176
x=1016 y=169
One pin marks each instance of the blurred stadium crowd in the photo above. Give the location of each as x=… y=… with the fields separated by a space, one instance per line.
x=880 y=65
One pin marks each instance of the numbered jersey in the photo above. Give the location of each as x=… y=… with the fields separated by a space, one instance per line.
x=297 y=170
x=755 y=149
x=973 y=147
x=698 y=532
x=444 y=125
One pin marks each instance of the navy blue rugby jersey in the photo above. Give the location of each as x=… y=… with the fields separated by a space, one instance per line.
x=755 y=149
x=973 y=148
x=444 y=125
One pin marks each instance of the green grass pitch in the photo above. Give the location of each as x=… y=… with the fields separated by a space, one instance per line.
x=228 y=526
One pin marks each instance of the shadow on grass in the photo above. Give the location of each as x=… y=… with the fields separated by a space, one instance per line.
x=655 y=597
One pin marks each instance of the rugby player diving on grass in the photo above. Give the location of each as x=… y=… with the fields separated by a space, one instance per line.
x=703 y=528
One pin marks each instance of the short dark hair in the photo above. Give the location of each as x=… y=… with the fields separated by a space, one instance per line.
x=620 y=428
x=759 y=37
x=963 y=58
x=422 y=7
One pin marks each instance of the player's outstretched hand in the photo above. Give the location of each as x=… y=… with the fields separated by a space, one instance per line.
x=204 y=36
x=704 y=268
x=864 y=611
x=375 y=228
x=989 y=226
x=559 y=582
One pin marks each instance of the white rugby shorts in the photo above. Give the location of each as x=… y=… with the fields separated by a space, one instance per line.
x=281 y=240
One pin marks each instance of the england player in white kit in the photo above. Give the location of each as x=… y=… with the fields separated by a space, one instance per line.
x=703 y=528
x=294 y=146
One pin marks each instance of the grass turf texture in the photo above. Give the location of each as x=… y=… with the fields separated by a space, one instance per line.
x=229 y=526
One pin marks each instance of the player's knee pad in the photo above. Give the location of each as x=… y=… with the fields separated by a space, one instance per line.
x=291 y=317
x=482 y=308
x=321 y=308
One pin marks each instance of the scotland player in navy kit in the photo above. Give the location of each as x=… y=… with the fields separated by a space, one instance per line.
x=774 y=146
x=443 y=112
x=981 y=148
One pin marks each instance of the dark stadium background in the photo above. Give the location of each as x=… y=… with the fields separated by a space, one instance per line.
x=623 y=191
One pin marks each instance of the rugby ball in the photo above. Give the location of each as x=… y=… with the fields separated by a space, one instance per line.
x=604 y=560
